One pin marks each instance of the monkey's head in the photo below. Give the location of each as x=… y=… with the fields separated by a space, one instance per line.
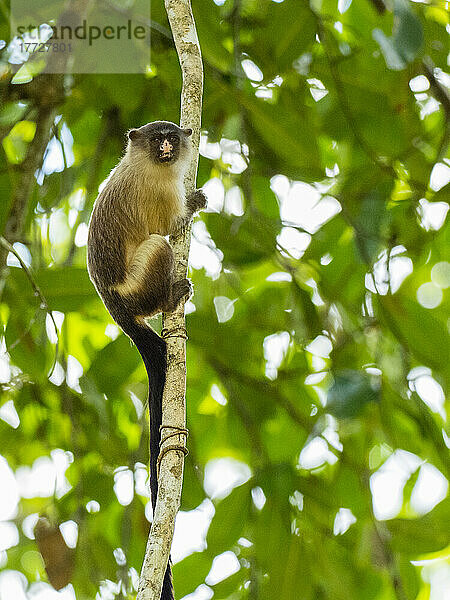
x=163 y=142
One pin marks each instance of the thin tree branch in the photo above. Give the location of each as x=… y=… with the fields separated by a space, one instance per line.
x=32 y=162
x=37 y=292
x=442 y=95
x=170 y=477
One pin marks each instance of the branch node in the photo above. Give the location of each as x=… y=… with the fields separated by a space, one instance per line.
x=180 y=431
x=177 y=332
x=176 y=447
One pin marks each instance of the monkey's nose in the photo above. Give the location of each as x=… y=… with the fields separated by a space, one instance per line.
x=166 y=147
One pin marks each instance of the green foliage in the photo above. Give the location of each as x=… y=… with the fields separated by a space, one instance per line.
x=312 y=356
x=349 y=393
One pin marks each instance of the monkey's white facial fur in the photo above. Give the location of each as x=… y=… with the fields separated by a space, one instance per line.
x=163 y=142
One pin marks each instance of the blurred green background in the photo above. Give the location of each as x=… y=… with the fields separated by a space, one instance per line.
x=318 y=352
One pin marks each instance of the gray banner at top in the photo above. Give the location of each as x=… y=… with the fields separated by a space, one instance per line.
x=80 y=36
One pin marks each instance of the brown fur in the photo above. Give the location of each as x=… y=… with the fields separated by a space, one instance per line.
x=141 y=201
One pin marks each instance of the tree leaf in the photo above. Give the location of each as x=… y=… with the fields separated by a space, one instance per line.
x=408 y=33
x=416 y=327
x=429 y=533
x=113 y=366
x=190 y=572
x=349 y=394
x=229 y=519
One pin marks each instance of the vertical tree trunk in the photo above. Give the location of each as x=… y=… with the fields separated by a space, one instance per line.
x=170 y=477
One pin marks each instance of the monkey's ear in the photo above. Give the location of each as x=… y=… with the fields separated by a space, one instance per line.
x=188 y=132
x=133 y=134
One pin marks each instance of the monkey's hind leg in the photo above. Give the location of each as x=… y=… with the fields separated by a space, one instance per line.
x=149 y=283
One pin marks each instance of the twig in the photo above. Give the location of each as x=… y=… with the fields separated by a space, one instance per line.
x=442 y=95
x=440 y=91
x=170 y=477
x=390 y=562
x=33 y=161
x=37 y=292
x=23 y=335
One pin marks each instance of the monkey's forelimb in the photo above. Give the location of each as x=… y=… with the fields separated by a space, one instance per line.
x=194 y=203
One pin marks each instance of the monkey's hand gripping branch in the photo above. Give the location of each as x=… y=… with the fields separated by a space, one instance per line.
x=171 y=459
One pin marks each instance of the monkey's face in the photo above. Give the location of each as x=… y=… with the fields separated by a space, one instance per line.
x=162 y=141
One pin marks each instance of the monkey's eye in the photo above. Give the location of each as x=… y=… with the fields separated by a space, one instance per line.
x=172 y=137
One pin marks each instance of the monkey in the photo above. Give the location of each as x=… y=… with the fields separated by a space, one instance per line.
x=130 y=261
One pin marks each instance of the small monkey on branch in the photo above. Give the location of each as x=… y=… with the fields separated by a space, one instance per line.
x=130 y=261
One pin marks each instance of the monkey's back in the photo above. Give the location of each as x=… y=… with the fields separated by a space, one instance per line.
x=106 y=250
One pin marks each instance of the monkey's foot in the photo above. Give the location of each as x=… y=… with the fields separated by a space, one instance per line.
x=182 y=289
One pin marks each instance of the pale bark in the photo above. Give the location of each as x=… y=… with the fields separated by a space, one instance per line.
x=170 y=478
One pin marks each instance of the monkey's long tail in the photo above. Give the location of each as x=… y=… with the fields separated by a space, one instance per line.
x=152 y=348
